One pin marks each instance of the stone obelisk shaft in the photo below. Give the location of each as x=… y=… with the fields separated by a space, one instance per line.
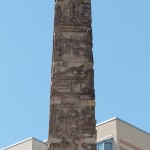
x=72 y=101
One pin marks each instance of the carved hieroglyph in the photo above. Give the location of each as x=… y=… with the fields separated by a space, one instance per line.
x=72 y=104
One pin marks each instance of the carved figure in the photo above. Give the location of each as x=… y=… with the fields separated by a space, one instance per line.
x=58 y=123
x=88 y=125
x=72 y=123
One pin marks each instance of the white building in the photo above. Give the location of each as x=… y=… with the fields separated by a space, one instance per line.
x=116 y=134
x=113 y=134
x=28 y=144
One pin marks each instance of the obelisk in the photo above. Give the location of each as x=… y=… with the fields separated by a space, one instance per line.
x=72 y=100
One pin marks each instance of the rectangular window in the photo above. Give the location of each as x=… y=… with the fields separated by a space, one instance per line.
x=108 y=146
x=100 y=146
x=105 y=145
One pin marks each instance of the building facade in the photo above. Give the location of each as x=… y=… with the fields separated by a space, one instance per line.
x=113 y=134
x=28 y=144
x=116 y=134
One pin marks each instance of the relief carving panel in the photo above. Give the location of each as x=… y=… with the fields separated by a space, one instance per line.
x=64 y=145
x=88 y=122
x=73 y=12
x=74 y=80
x=89 y=146
x=73 y=52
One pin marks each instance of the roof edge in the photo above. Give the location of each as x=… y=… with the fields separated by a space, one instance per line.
x=116 y=118
x=23 y=141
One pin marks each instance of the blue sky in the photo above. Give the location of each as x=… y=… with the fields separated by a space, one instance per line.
x=121 y=38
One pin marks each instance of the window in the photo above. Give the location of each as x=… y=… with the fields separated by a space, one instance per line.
x=105 y=145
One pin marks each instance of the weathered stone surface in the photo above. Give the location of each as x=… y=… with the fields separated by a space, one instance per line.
x=72 y=104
